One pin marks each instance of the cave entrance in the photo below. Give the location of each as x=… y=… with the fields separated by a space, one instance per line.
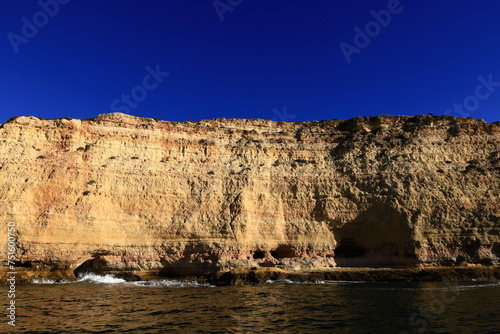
x=91 y=266
x=347 y=251
x=283 y=252
x=259 y=255
x=496 y=249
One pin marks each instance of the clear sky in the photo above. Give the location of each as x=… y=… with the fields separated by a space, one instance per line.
x=290 y=60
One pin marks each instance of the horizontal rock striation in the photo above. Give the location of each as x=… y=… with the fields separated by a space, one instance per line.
x=125 y=193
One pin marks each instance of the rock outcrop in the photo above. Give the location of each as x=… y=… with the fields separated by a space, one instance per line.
x=135 y=194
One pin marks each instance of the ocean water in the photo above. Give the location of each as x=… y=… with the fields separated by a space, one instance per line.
x=109 y=305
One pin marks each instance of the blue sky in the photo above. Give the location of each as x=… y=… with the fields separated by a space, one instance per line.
x=285 y=60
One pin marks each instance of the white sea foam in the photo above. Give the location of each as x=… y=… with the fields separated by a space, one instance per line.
x=288 y=281
x=106 y=279
x=172 y=284
x=110 y=279
x=44 y=281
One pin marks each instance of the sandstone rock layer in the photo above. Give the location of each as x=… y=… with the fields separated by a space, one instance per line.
x=127 y=193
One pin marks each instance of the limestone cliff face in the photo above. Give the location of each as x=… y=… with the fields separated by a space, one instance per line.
x=128 y=193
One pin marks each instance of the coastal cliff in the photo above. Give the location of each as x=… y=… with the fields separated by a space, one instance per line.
x=124 y=193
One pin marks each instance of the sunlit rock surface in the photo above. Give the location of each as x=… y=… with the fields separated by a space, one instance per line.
x=135 y=194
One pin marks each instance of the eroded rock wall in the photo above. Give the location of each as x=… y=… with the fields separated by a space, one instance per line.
x=131 y=193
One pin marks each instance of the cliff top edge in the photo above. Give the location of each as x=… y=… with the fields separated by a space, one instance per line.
x=357 y=123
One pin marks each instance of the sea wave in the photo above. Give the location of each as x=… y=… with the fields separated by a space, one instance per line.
x=46 y=281
x=110 y=279
x=288 y=281
x=90 y=278
x=172 y=284
x=106 y=279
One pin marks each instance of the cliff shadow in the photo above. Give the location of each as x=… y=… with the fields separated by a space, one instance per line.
x=189 y=265
x=377 y=237
x=197 y=259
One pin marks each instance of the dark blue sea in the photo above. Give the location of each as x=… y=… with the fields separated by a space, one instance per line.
x=110 y=305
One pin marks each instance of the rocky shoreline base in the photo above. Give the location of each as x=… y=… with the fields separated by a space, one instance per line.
x=259 y=275
x=243 y=276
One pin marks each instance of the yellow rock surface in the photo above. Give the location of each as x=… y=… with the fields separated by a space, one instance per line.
x=132 y=193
